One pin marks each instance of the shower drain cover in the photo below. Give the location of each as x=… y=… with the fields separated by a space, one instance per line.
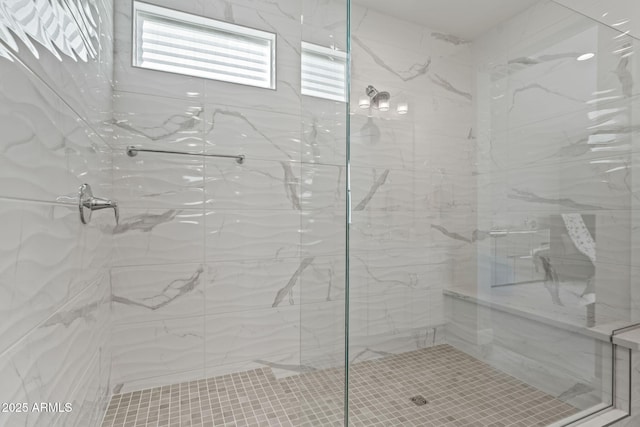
x=419 y=400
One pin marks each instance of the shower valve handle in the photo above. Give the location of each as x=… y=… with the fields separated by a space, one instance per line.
x=87 y=203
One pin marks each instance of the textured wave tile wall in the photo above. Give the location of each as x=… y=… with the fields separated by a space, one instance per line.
x=54 y=273
x=84 y=82
x=207 y=257
x=60 y=361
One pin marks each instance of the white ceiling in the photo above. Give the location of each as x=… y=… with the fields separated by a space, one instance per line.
x=464 y=18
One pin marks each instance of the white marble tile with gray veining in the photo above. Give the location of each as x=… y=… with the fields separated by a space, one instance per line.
x=253 y=185
x=389 y=231
x=323 y=280
x=250 y=335
x=158 y=236
x=324 y=134
x=452 y=155
x=451 y=192
x=322 y=332
x=612 y=293
x=366 y=22
x=568 y=85
x=155 y=349
x=377 y=274
x=41 y=263
x=236 y=286
x=396 y=312
x=381 y=143
x=389 y=189
x=528 y=25
x=325 y=22
x=48 y=151
x=440 y=114
x=158 y=123
x=140 y=294
x=257 y=134
x=577 y=186
x=399 y=66
x=323 y=187
x=69 y=341
x=237 y=235
x=322 y=232
x=158 y=180
x=234 y=11
x=566 y=138
x=612 y=237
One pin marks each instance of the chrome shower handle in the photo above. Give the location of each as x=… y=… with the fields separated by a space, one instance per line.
x=87 y=204
x=96 y=203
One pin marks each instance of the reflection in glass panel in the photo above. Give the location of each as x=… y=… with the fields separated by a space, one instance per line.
x=494 y=223
x=550 y=267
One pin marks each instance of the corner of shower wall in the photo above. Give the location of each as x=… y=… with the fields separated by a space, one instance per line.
x=55 y=109
x=323 y=200
x=412 y=183
x=541 y=116
x=624 y=17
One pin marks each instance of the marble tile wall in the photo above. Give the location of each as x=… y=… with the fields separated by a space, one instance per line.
x=412 y=182
x=210 y=230
x=55 y=105
x=555 y=135
x=624 y=16
x=574 y=156
x=214 y=261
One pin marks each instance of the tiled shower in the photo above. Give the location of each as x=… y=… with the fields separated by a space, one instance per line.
x=427 y=262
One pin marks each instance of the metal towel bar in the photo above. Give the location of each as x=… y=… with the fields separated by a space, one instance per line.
x=133 y=151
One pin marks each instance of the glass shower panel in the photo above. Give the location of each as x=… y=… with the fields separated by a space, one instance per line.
x=490 y=244
x=321 y=382
x=411 y=116
x=256 y=248
x=552 y=238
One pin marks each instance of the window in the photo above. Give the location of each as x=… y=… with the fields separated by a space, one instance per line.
x=177 y=42
x=324 y=72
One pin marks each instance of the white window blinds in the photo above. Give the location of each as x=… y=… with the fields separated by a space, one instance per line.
x=177 y=42
x=324 y=72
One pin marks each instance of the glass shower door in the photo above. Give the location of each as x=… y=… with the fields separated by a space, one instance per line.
x=554 y=203
x=323 y=203
x=490 y=245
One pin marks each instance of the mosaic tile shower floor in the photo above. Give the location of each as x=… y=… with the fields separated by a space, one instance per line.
x=459 y=390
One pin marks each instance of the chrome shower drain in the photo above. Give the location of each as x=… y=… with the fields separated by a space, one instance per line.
x=419 y=400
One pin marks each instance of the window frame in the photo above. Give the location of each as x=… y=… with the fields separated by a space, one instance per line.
x=180 y=17
x=327 y=51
